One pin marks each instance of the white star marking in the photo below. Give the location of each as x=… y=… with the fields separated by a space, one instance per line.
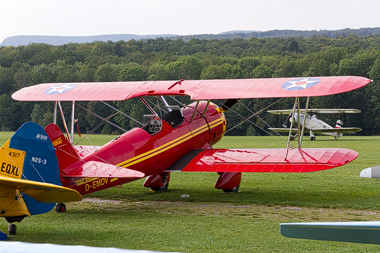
x=300 y=83
x=60 y=89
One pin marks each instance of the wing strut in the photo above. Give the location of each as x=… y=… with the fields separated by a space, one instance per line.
x=304 y=120
x=72 y=121
x=166 y=104
x=298 y=120
x=55 y=113
x=64 y=120
x=208 y=103
x=290 y=130
x=300 y=130
x=195 y=109
x=149 y=107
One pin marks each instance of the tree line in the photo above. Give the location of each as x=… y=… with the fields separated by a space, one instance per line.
x=168 y=59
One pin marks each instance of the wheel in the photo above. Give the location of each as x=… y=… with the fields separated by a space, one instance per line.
x=60 y=208
x=292 y=138
x=236 y=189
x=312 y=138
x=166 y=184
x=12 y=229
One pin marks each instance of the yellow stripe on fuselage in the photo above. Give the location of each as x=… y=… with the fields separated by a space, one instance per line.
x=170 y=144
x=157 y=150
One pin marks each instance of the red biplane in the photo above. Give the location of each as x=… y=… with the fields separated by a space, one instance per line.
x=182 y=139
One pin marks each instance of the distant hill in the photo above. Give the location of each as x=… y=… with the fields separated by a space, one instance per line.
x=60 y=40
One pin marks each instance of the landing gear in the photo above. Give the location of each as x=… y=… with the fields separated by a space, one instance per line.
x=12 y=229
x=166 y=184
x=312 y=138
x=158 y=182
x=228 y=181
x=233 y=190
x=60 y=208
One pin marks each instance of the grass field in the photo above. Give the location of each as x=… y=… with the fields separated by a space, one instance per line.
x=133 y=217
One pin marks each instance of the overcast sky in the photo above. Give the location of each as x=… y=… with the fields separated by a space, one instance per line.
x=184 y=17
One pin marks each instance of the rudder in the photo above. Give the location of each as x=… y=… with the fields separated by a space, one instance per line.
x=66 y=152
x=40 y=163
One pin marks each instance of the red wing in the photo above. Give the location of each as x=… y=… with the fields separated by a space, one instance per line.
x=99 y=169
x=267 y=160
x=196 y=89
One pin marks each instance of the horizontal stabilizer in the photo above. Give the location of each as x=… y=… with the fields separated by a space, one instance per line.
x=100 y=169
x=42 y=192
x=328 y=111
x=358 y=231
x=268 y=160
x=86 y=150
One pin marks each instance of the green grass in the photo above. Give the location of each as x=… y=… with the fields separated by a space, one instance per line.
x=212 y=221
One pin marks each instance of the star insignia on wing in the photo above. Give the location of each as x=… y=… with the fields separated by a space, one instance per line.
x=300 y=84
x=59 y=89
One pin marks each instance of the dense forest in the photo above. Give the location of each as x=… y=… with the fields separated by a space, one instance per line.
x=175 y=59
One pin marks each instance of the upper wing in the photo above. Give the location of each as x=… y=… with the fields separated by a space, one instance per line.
x=356 y=231
x=343 y=130
x=42 y=192
x=264 y=160
x=196 y=89
x=329 y=111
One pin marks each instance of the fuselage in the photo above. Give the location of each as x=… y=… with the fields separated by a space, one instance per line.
x=312 y=122
x=156 y=146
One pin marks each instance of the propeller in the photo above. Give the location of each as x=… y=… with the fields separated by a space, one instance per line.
x=285 y=124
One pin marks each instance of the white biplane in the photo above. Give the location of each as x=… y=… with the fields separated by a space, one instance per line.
x=313 y=124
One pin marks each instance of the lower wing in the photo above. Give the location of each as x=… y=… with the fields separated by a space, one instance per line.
x=284 y=130
x=343 y=130
x=357 y=231
x=42 y=192
x=264 y=160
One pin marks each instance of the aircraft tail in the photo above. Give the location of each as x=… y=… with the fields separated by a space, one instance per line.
x=66 y=153
x=31 y=156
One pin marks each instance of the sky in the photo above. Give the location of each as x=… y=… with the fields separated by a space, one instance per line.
x=183 y=17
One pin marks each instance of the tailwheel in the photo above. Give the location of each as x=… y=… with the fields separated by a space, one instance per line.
x=60 y=208
x=233 y=190
x=12 y=229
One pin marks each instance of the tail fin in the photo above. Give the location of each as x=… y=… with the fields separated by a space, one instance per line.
x=40 y=161
x=66 y=153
